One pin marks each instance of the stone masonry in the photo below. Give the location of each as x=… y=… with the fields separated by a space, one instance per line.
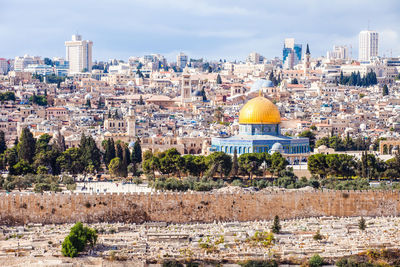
x=21 y=208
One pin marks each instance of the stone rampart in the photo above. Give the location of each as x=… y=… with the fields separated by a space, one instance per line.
x=50 y=208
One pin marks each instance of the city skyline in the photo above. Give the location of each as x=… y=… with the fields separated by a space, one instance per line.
x=121 y=29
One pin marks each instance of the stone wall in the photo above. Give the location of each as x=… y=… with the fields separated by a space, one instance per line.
x=193 y=207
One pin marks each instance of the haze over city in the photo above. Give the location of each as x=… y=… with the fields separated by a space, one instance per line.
x=202 y=29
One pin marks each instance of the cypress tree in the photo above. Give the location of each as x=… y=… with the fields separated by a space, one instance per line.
x=219 y=80
x=3 y=145
x=90 y=153
x=235 y=165
x=109 y=153
x=119 y=151
x=385 y=90
x=362 y=224
x=26 y=146
x=136 y=155
x=276 y=226
x=125 y=161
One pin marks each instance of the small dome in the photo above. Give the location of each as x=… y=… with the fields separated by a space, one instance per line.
x=259 y=110
x=261 y=83
x=197 y=93
x=277 y=147
x=131 y=144
x=323 y=147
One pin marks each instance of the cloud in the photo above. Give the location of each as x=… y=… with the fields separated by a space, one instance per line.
x=202 y=28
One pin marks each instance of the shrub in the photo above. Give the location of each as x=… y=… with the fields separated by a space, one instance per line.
x=276 y=227
x=362 y=224
x=315 y=261
x=78 y=239
x=318 y=236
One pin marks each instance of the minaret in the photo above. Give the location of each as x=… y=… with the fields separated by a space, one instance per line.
x=307 y=60
x=131 y=125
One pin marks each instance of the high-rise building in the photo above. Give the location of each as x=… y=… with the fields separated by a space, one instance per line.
x=255 y=58
x=79 y=54
x=20 y=63
x=339 y=52
x=291 y=53
x=181 y=60
x=3 y=66
x=367 y=45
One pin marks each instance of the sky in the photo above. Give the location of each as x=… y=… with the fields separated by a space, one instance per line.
x=209 y=29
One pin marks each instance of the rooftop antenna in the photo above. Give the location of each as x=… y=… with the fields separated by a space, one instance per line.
x=368 y=25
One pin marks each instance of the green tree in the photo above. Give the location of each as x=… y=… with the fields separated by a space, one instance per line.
x=249 y=163
x=219 y=162
x=79 y=238
x=70 y=161
x=90 y=154
x=362 y=224
x=26 y=146
x=22 y=167
x=235 y=164
x=136 y=155
x=119 y=151
x=109 y=152
x=385 y=90
x=7 y=96
x=11 y=158
x=168 y=161
x=3 y=145
x=276 y=226
x=116 y=167
x=316 y=261
x=317 y=165
x=219 y=80
x=311 y=136
x=278 y=164
x=150 y=163
x=126 y=160
x=324 y=141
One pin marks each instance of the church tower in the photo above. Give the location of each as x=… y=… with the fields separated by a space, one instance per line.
x=186 y=86
x=307 y=60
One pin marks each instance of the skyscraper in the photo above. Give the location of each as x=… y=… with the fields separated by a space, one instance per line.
x=181 y=60
x=79 y=54
x=291 y=53
x=367 y=45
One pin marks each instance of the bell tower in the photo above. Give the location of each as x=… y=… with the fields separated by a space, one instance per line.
x=307 y=60
x=186 y=86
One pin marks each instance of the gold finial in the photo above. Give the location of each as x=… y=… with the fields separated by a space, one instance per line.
x=259 y=92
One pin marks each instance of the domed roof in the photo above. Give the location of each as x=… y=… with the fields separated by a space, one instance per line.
x=197 y=93
x=259 y=84
x=259 y=110
x=277 y=147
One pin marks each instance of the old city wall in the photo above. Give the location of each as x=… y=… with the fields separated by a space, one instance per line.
x=193 y=207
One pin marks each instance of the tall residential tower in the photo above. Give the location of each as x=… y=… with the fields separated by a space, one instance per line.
x=79 y=54
x=367 y=45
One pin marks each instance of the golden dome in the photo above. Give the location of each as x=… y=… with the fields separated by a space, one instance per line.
x=259 y=110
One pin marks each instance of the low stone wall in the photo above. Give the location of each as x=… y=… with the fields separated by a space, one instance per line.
x=193 y=207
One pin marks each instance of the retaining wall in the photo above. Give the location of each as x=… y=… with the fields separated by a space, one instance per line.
x=49 y=208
